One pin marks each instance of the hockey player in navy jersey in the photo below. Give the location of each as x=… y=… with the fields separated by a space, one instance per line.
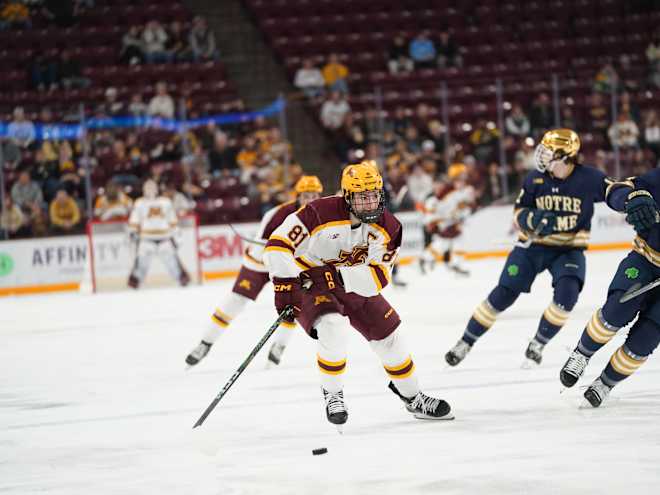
x=638 y=197
x=553 y=213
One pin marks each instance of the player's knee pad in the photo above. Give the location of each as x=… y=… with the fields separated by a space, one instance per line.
x=617 y=314
x=331 y=333
x=502 y=297
x=567 y=291
x=393 y=344
x=233 y=304
x=643 y=337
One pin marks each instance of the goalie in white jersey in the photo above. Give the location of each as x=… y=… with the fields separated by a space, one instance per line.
x=153 y=224
x=445 y=211
x=330 y=260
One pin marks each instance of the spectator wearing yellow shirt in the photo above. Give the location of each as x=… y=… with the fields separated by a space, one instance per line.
x=335 y=74
x=13 y=14
x=64 y=213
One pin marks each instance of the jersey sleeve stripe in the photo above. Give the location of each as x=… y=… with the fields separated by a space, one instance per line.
x=381 y=272
x=382 y=231
x=335 y=223
x=283 y=240
x=374 y=275
x=302 y=263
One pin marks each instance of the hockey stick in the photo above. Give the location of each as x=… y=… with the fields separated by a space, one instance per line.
x=636 y=290
x=286 y=313
x=245 y=239
x=533 y=236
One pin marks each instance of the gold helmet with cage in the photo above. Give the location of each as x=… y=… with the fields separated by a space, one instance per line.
x=557 y=144
x=308 y=183
x=456 y=170
x=362 y=188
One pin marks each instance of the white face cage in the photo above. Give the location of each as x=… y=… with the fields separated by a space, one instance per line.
x=542 y=158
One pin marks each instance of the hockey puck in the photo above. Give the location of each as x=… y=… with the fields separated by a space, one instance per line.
x=320 y=451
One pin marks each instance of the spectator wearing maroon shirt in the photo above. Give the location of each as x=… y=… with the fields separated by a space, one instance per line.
x=222 y=157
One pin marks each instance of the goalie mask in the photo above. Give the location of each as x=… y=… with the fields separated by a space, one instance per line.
x=308 y=188
x=557 y=146
x=362 y=187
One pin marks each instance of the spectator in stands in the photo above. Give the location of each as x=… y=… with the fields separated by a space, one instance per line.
x=606 y=79
x=484 y=139
x=44 y=73
x=112 y=204
x=420 y=184
x=162 y=104
x=14 y=15
x=449 y=54
x=524 y=157
x=334 y=110
x=598 y=114
x=310 y=80
x=653 y=59
x=69 y=175
x=422 y=51
x=177 y=43
x=132 y=47
x=398 y=59
x=624 y=133
x=651 y=134
x=45 y=170
x=627 y=105
x=12 y=220
x=335 y=74
x=112 y=106
x=248 y=154
x=137 y=108
x=541 y=116
x=222 y=157
x=182 y=205
x=154 y=39
x=436 y=134
x=70 y=72
x=202 y=41
x=400 y=120
x=26 y=193
x=20 y=130
x=413 y=139
x=517 y=124
x=64 y=213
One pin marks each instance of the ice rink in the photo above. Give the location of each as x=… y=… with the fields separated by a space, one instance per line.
x=95 y=399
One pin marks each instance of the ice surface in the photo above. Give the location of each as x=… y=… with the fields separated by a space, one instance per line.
x=95 y=399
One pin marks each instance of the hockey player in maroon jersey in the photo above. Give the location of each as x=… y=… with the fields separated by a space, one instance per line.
x=253 y=276
x=329 y=261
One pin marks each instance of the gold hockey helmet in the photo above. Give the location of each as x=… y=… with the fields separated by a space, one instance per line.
x=357 y=180
x=557 y=144
x=308 y=183
x=456 y=170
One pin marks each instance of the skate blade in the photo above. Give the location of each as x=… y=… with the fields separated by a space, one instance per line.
x=446 y=417
x=270 y=365
x=585 y=404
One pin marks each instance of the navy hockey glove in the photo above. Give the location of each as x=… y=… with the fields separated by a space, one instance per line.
x=641 y=211
x=321 y=279
x=533 y=221
x=287 y=293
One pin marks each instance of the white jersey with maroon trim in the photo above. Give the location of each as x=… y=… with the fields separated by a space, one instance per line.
x=153 y=219
x=321 y=233
x=452 y=206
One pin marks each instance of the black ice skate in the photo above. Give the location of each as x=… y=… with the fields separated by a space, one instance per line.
x=424 y=407
x=597 y=392
x=335 y=408
x=198 y=353
x=457 y=353
x=459 y=270
x=573 y=368
x=534 y=351
x=275 y=353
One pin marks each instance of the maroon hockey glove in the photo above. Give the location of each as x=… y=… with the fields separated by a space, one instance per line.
x=321 y=279
x=288 y=293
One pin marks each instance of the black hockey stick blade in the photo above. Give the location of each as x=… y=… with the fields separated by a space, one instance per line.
x=636 y=290
x=285 y=314
x=245 y=239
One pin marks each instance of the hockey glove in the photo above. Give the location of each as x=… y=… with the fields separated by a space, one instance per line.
x=532 y=221
x=288 y=292
x=321 y=279
x=641 y=211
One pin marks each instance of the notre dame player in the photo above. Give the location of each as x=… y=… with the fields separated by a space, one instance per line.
x=638 y=198
x=553 y=213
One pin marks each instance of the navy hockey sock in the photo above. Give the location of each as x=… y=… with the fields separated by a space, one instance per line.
x=485 y=314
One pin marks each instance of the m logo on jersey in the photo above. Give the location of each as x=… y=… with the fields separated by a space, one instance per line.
x=358 y=256
x=245 y=284
x=321 y=299
x=154 y=211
